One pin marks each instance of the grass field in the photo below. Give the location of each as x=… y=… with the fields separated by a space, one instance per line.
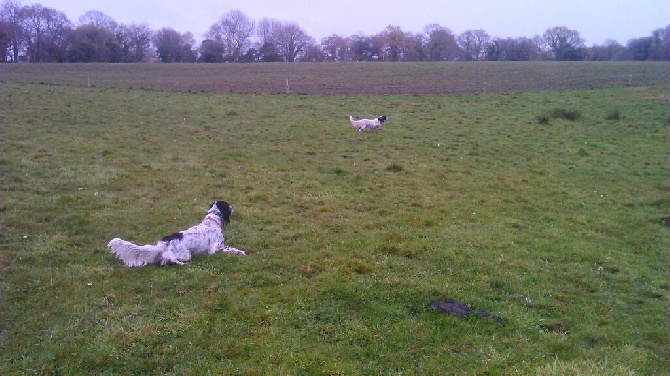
x=541 y=207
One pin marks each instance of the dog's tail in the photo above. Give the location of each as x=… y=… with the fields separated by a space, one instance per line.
x=134 y=255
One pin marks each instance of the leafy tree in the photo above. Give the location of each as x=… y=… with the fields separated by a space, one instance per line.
x=440 y=44
x=269 y=53
x=415 y=47
x=394 y=44
x=90 y=43
x=214 y=48
x=640 y=48
x=363 y=48
x=251 y=56
x=211 y=51
x=660 y=44
x=99 y=38
x=172 y=47
x=314 y=54
x=519 y=49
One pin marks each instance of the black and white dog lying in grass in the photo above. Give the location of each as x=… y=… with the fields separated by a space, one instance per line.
x=207 y=236
x=367 y=124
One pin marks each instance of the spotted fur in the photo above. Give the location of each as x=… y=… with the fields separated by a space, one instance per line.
x=367 y=124
x=205 y=237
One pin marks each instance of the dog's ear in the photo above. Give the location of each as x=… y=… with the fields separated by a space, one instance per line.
x=225 y=209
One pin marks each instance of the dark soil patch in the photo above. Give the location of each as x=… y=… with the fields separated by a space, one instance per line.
x=456 y=308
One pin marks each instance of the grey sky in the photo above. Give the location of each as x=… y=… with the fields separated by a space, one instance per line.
x=595 y=20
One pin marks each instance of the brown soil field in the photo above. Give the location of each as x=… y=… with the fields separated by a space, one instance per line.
x=346 y=78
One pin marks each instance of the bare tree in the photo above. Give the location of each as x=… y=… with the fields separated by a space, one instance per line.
x=561 y=43
x=97 y=18
x=280 y=41
x=45 y=32
x=474 y=44
x=5 y=41
x=267 y=30
x=136 y=42
x=10 y=12
x=291 y=41
x=233 y=31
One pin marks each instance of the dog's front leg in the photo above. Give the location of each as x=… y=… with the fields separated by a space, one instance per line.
x=232 y=250
x=224 y=248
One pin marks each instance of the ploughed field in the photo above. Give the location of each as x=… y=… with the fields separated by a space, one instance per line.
x=347 y=78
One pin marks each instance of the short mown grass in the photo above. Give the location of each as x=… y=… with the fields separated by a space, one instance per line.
x=554 y=227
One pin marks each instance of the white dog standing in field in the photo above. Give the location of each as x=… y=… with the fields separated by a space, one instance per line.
x=207 y=236
x=367 y=124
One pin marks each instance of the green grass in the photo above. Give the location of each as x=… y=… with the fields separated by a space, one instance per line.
x=555 y=227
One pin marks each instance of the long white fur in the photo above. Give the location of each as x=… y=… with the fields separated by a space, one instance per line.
x=365 y=124
x=206 y=236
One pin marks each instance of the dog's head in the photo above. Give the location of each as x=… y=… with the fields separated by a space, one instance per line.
x=225 y=209
x=382 y=119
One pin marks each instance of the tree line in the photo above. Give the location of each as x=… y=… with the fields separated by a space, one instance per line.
x=34 y=33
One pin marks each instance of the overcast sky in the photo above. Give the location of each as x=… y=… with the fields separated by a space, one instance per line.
x=595 y=20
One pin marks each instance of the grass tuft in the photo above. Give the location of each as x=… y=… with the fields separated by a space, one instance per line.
x=613 y=115
x=543 y=119
x=394 y=167
x=566 y=114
